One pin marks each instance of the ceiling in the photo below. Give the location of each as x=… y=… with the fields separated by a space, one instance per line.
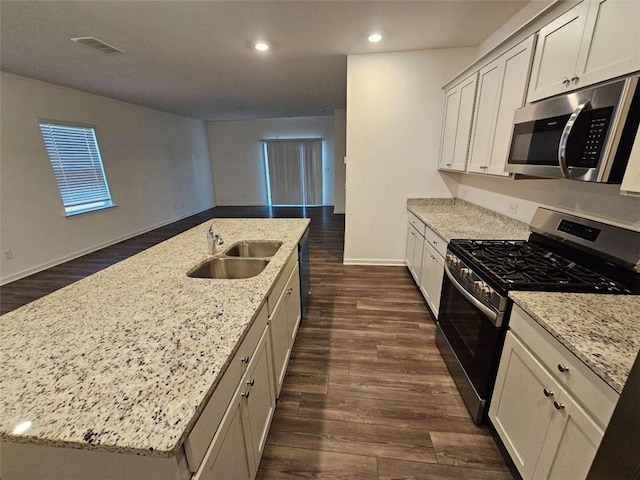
x=196 y=58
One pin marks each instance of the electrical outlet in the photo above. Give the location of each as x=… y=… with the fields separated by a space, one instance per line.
x=513 y=208
x=7 y=254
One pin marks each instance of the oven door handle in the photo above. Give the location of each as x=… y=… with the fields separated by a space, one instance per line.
x=564 y=138
x=491 y=314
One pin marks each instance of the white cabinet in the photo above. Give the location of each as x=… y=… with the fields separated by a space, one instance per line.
x=594 y=41
x=425 y=260
x=414 y=252
x=238 y=444
x=501 y=90
x=458 y=115
x=631 y=180
x=548 y=408
x=284 y=322
x=431 y=277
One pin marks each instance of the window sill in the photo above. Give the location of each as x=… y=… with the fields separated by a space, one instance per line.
x=90 y=210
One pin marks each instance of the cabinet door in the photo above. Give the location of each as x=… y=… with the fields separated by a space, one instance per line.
x=459 y=103
x=280 y=341
x=520 y=410
x=417 y=257
x=228 y=455
x=427 y=267
x=556 y=54
x=489 y=82
x=293 y=305
x=437 y=275
x=449 y=127
x=571 y=443
x=513 y=87
x=260 y=400
x=411 y=244
x=611 y=42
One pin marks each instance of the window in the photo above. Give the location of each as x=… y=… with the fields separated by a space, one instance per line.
x=75 y=158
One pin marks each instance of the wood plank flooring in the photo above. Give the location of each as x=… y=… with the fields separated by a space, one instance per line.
x=366 y=394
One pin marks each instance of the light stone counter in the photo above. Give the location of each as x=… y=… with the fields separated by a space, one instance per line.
x=126 y=359
x=454 y=218
x=601 y=330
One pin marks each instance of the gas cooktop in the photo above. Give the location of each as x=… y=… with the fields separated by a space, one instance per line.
x=524 y=265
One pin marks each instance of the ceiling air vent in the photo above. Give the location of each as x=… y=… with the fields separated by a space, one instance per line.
x=98 y=44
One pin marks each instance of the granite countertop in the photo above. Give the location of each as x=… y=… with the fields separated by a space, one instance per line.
x=126 y=359
x=455 y=218
x=601 y=330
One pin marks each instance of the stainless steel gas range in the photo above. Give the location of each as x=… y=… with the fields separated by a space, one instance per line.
x=564 y=253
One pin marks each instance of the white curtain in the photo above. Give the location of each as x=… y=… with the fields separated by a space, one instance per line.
x=295 y=171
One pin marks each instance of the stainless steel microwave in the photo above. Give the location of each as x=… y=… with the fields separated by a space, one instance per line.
x=585 y=135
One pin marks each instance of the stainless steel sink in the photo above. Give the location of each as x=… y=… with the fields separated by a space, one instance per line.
x=254 y=249
x=229 y=268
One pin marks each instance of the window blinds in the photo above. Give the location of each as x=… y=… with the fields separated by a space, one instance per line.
x=75 y=158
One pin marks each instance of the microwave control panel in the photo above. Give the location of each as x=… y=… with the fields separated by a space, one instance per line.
x=596 y=127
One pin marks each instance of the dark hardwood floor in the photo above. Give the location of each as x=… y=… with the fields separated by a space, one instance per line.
x=366 y=394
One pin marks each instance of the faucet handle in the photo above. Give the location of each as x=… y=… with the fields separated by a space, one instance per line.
x=217 y=239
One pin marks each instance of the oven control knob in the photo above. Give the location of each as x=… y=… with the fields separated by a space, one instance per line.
x=486 y=291
x=452 y=260
x=465 y=272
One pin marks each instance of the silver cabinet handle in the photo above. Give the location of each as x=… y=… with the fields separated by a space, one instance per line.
x=245 y=359
x=574 y=78
x=547 y=392
x=448 y=164
x=251 y=382
x=566 y=81
x=563 y=368
x=558 y=405
x=562 y=149
x=246 y=394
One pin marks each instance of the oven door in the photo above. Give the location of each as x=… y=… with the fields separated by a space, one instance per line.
x=470 y=343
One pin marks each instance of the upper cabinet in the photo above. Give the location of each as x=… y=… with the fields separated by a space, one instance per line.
x=458 y=114
x=594 y=41
x=502 y=86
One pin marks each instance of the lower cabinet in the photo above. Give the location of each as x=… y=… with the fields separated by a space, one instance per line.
x=284 y=322
x=542 y=423
x=424 y=257
x=237 y=447
x=431 y=277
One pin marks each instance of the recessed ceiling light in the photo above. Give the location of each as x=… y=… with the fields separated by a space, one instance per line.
x=375 y=37
x=262 y=47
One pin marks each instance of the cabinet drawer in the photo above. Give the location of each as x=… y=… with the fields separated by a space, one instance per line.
x=197 y=443
x=285 y=273
x=416 y=223
x=436 y=241
x=590 y=390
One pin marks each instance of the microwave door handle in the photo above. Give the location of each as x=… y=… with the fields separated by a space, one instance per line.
x=493 y=316
x=562 y=149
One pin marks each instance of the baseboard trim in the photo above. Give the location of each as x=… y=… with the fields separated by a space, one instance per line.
x=374 y=261
x=66 y=258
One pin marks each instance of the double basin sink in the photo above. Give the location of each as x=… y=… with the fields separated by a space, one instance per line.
x=242 y=260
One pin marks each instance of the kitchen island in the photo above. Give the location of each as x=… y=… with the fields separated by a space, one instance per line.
x=125 y=361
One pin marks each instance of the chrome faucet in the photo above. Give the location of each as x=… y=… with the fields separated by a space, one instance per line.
x=213 y=240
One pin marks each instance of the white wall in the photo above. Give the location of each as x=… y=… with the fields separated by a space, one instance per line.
x=238 y=164
x=394 y=117
x=340 y=150
x=156 y=164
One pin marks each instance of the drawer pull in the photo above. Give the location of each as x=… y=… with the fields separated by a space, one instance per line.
x=558 y=405
x=246 y=394
x=563 y=368
x=251 y=382
x=245 y=359
x=547 y=392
